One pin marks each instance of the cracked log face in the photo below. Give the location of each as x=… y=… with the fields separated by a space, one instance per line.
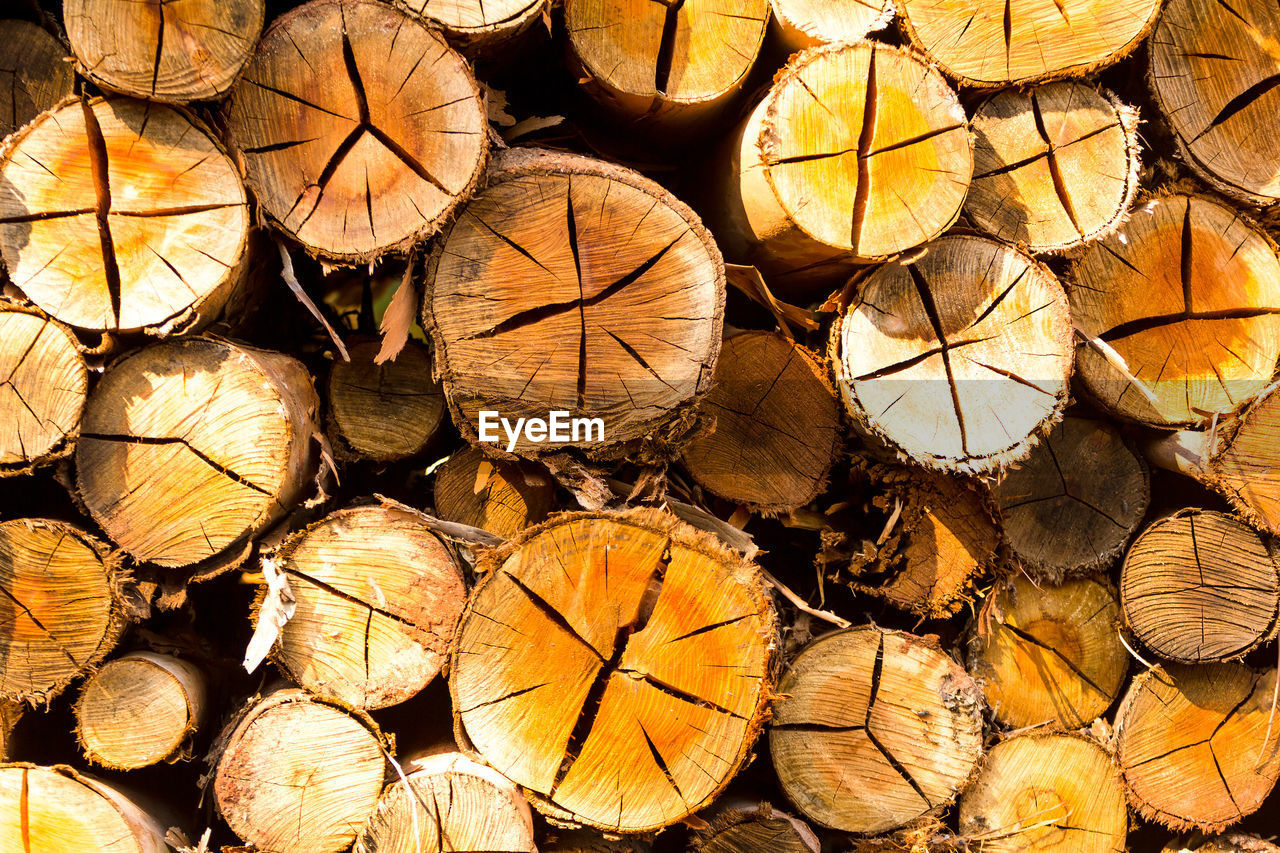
x=809 y=23
x=575 y=285
x=378 y=596
x=122 y=215
x=1049 y=653
x=1192 y=744
x=42 y=393
x=384 y=411
x=777 y=428
x=56 y=808
x=956 y=359
x=190 y=447
x=163 y=50
x=500 y=497
x=616 y=666
x=1053 y=167
x=478 y=22
x=876 y=728
x=298 y=774
x=459 y=805
x=34 y=75
x=755 y=828
x=1200 y=586
x=1073 y=504
x=360 y=128
x=1047 y=792
x=991 y=43
x=59 y=612
x=1188 y=294
x=1247 y=469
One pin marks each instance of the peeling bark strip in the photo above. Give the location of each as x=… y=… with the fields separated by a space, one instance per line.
x=957 y=359
x=1190 y=742
x=33 y=75
x=570 y=284
x=479 y=25
x=360 y=128
x=1047 y=792
x=59 y=612
x=616 y=666
x=184 y=426
x=43 y=384
x=120 y=215
x=1188 y=293
x=876 y=728
x=384 y=411
x=991 y=43
x=163 y=50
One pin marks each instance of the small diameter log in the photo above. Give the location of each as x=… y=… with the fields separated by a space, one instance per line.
x=1073 y=504
x=43 y=392
x=590 y=841
x=1199 y=586
x=777 y=425
x=448 y=802
x=298 y=775
x=1053 y=167
x=377 y=598
x=191 y=447
x=574 y=285
x=1233 y=842
x=1049 y=654
x=34 y=73
x=171 y=50
x=480 y=25
x=360 y=128
x=995 y=42
x=139 y=710
x=671 y=64
x=10 y=713
x=616 y=666
x=56 y=808
x=1192 y=744
x=59 y=607
x=1209 y=70
x=808 y=23
x=1040 y=792
x=956 y=359
x=384 y=412
x=500 y=497
x=876 y=728
x=1187 y=293
x=122 y=215
x=755 y=828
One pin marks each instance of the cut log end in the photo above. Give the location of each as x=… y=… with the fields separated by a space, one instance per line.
x=38 y=75
x=43 y=394
x=384 y=412
x=479 y=25
x=1247 y=468
x=56 y=808
x=802 y=24
x=500 y=497
x=752 y=829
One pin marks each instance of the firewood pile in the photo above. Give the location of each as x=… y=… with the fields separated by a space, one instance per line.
x=618 y=426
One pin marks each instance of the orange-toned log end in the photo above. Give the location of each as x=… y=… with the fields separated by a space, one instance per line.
x=1046 y=792
x=163 y=50
x=1190 y=742
x=958 y=358
x=500 y=497
x=1049 y=654
x=123 y=215
x=60 y=613
x=875 y=729
x=360 y=128
x=777 y=425
x=1187 y=294
x=10 y=713
x=42 y=393
x=384 y=412
x=1247 y=468
x=617 y=666
x=34 y=73
x=191 y=447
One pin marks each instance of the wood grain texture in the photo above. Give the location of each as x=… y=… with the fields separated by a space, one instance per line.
x=384 y=411
x=34 y=75
x=43 y=391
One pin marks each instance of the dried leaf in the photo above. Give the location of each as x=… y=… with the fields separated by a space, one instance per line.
x=531 y=125
x=748 y=280
x=278 y=607
x=397 y=320
x=495 y=104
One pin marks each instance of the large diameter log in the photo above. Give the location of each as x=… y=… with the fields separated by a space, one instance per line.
x=1046 y=792
x=956 y=359
x=995 y=42
x=449 y=802
x=298 y=775
x=57 y=809
x=1192 y=742
x=1200 y=585
x=377 y=597
x=360 y=128
x=60 y=611
x=1187 y=293
x=163 y=50
x=43 y=391
x=139 y=710
x=616 y=666
x=384 y=412
x=191 y=447
x=500 y=497
x=122 y=215
x=808 y=23
x=874 y=729
x=570 y=284
x=480 y=26
x=38 y=74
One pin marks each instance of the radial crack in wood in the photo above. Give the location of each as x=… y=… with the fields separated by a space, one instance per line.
x=43 y=385
x=500 y=497
x=480 y=26
x=34 y=75
x=800 y=24
x=387 y=411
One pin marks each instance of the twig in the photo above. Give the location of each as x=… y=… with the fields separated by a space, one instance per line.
x=800 y=602
x=1117 y=361
x=286 y=273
